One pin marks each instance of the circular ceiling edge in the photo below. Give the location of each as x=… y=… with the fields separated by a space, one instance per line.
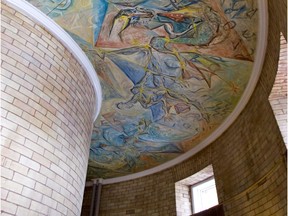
x=59 y=33
x=256 y=71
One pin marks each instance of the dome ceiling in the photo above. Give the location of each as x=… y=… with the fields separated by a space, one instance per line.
x=171 y=71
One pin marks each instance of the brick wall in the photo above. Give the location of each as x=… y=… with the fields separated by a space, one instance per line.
x=249 y=159
x=46 y=121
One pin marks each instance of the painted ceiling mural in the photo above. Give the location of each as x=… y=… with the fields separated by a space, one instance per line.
x=171 y=72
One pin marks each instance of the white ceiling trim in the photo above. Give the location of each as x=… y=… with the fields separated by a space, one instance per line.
x=59 y=33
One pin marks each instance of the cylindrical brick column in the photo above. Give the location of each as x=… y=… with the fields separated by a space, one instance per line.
x=48 y=105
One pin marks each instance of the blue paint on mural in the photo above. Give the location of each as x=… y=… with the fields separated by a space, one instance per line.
x=171 y=72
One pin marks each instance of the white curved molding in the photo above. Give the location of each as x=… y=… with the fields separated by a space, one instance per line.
x=59 y=33
x=257 y=68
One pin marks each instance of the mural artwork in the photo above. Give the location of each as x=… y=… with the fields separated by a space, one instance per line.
x=171 y=71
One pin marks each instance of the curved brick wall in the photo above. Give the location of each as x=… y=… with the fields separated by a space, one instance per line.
x=249 y=159
x=47 y=110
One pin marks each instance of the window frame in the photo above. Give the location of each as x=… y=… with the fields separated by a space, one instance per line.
x=192 y=196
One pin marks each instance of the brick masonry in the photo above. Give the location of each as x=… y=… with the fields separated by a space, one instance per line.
x=249 y=159
x=46 y=121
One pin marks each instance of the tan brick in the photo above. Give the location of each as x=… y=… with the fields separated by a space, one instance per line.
x=4 y=50
x=47 y=71
x=61 y=208
x=12 y=186
x=49 y=131
x=5 y=141
x=31 y=119
x=21 y=179
x=21 y=81
x=39 y=109
x=10 y=107
x=32 y=29
x=24 y=106
x=58 y=197
x=46 y=145
x=17 y=167
x=18 y=120
x=27 y=37
x=43 y=31
x=42 y=45
x=6 y=173
x=12 y=135
x=25 y=212
x=53 y=118
x=24 y=18
x=45 y=83
x=29 y=163
x=18 y=199
x=43 y=189
x=42 y=60
x=12 y=69
x=51 y=94
x=44 y=97
x=47 y=38
x=19 y=58
x=41 y=160
x=21 y=149
x=17 y=94
x=28 y=134
x=4 y=192
x=8 y=207
x=39 y=207
x=9 y=27
x=7 y=97
x=34 y=146
x=53 y=185
x=29 y=95
x=30 y=59
x=6 y=10
x=49 y=202
x=51 y=157
x=6 y=38
x=20 y=27
x=48 y=106
x=32 y=194
x=8 y=124
x=8 y=153
x=49 y=58
x=14 y=36
x=54 y=212
x=56 y=169
x=43 y=119
x=8 y=59
x=18 y=47
x=38 y=132
x=4 y=17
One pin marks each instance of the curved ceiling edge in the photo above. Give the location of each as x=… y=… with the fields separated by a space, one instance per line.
x=59 y=33
x=257 y=68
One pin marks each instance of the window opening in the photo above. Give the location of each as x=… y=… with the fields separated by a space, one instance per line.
x=204 y=195
x=278 y=95
x=184 y=189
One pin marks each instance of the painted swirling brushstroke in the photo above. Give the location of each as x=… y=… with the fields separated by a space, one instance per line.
x=171 y=71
